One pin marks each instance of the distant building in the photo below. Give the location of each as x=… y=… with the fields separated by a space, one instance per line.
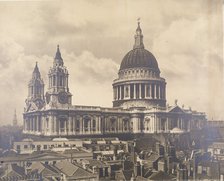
x=217 y=150
x=15 y=122
x=215 y=123
x=27 y=146
x=139 y=104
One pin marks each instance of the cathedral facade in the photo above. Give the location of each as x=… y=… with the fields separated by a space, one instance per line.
x=139 y=104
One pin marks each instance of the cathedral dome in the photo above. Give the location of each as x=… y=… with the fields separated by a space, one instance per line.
x=139 y=58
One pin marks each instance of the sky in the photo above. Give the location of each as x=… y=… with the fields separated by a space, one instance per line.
x=186 y=37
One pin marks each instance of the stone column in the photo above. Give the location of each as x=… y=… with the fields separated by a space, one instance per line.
x=117 y=92
x=120 y=91
x=29 y=124
x=83 y=125
x=134 y=91
x=181 y=123
x=49 y=125
x=158 y=91
x=32 y=125
x=55 y=124
x=24 y=124
x=37 y=123
x=90 y=125
x=161 y=91
x=140 y=91
x=52 y=124
x=145 y=86
x=155 y=91
x=100 y=122
x=74 y=125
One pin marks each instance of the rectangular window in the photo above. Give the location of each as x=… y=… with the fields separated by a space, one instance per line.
x=25 y=146
x=45 y=147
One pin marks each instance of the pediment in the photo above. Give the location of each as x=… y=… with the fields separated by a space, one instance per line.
x=176 y=109
x=32 y=107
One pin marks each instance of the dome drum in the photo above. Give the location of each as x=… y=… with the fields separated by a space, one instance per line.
x=143 y=91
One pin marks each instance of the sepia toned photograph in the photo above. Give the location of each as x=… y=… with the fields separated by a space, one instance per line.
x=105 y=90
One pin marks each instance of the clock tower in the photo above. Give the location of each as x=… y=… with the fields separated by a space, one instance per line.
x=58 y=94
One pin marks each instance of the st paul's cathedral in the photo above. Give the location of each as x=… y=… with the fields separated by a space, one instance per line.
x=139 y=102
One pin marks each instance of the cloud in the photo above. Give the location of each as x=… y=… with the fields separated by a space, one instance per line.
x=185 y=37
x=90 y=77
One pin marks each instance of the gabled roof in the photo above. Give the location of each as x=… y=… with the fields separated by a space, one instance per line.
x=43 y=169
x=124 y=175
x=13 y=171
x=66 y=167
x=152 y=157
x=96 y=163
x=73 y=171
x=19 y=170
x=161 y=176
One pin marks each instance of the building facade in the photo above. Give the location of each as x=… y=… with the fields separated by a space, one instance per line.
x=139 y=104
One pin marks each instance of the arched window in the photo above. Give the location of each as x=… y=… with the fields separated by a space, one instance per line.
x=86 y=123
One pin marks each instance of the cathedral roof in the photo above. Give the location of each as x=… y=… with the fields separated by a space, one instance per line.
x=139 y=57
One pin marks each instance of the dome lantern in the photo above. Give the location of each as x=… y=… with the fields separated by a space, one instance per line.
x=138 y=38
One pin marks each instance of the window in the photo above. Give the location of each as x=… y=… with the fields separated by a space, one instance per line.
x=25 y=146
x=61 y=80
x=54 y=80
x=18 y=147
x=126 y=92
x=147 y=91
x=77 y=125
x=45 y=147
x=94 y=124
x=113 y=124
x=86 y=123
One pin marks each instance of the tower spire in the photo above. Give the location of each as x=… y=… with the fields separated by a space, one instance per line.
x=36 y=72
x=58 y=61
x=138 y=37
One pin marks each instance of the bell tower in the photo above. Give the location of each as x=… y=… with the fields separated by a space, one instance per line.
x=58 y=91
x=35 y=91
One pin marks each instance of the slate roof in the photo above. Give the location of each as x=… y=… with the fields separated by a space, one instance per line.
x=161 y=176
x=73 y=171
